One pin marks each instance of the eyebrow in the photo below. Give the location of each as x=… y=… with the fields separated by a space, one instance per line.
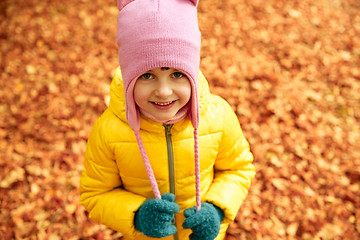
x=165 y=68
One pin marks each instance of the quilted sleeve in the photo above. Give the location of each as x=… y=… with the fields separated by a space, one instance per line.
x=234 y=170
x=101 y=191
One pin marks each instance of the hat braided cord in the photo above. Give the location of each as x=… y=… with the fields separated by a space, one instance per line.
x=197 y=169
x=148 y=168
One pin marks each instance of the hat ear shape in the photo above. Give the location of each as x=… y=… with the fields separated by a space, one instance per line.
x=195 y=2
x=122 y=3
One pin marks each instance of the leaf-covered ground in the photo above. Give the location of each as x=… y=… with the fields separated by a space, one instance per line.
x=290 y=70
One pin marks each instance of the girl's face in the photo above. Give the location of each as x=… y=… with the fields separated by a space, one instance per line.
x=162 y=92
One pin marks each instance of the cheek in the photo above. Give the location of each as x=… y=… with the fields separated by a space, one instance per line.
x=188 y=95
x=186 y=92
x=140 y=94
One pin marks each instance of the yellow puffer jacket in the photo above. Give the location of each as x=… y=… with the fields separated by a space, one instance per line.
x=114 y=182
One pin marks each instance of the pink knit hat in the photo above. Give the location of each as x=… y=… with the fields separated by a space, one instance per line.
x=154 y=34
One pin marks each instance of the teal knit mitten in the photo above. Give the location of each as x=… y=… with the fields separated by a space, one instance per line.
x=155 y=215
x=205 y=223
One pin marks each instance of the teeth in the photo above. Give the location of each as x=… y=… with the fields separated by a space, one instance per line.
x=163 y=103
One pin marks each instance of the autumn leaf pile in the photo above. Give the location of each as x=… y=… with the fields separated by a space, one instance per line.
x=289 y=69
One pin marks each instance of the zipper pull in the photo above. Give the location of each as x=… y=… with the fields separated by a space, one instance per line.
x=168 y=129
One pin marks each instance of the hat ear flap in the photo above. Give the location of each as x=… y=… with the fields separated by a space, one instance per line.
x=195 y=2
x=122 y=3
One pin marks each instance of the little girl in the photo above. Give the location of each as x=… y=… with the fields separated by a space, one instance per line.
x=168 y=159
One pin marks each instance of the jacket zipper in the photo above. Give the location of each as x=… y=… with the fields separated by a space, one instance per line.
x=170 y=152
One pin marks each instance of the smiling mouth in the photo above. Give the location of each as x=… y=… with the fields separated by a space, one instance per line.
x=163 y=103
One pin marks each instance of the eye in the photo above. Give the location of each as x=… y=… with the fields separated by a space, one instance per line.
x=147 y=76
x=177 y=75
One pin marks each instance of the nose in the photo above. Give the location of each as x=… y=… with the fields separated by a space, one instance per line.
x=164 y=89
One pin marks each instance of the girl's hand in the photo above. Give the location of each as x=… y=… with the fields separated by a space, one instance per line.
x=204 y=223
x=154 y=217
